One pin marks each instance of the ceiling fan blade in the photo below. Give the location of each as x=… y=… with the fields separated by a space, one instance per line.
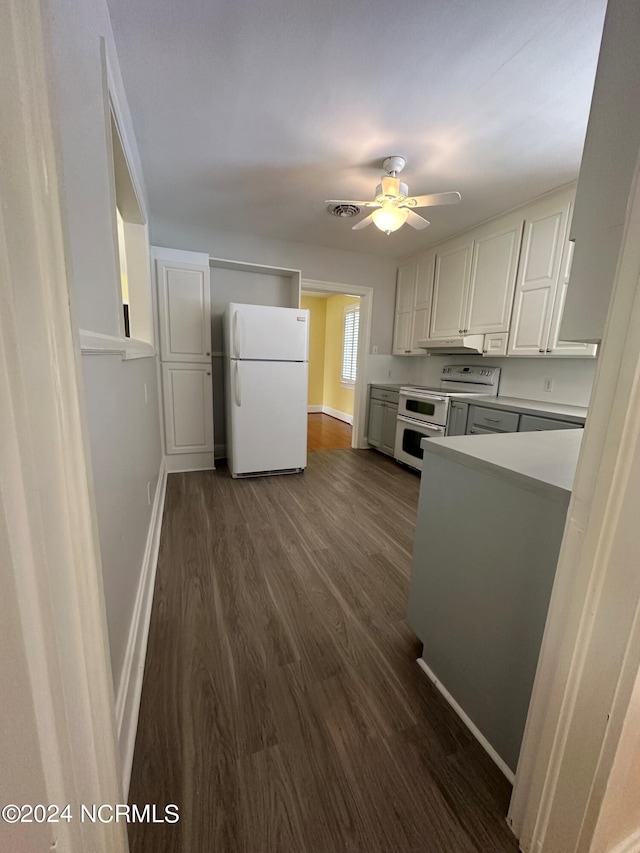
x=351 y=201
x=416 y=221
x=363 y=222
x=390 y=185
x=432 y=200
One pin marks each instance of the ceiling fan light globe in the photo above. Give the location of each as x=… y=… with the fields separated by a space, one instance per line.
x=389 y=218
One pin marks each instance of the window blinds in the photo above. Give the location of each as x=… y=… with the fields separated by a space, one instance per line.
x=350 y=345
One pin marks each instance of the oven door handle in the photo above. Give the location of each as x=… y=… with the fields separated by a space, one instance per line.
x=414 y=422
x=431 y=397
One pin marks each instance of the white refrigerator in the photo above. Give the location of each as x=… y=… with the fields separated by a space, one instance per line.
x=266 y=355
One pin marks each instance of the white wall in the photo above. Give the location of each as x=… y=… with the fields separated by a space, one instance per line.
x=619 y=818
x=522 y=377
x=125 y=453
x=124 y=431
x=315 y=262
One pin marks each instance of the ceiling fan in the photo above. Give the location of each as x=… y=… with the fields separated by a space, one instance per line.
x=394 y=206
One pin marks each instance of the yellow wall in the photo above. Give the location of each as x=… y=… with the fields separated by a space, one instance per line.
x=335 y=395
x=317 y=318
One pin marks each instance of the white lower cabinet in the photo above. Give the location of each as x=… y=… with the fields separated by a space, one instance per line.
x=188 y=407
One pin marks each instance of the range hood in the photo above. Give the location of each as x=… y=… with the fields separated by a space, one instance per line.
x=451 y=346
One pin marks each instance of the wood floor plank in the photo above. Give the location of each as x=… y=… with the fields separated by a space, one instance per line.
x=282 y=708
x=327 y=433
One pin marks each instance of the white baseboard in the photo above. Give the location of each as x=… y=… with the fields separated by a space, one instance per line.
x=130 y=687
x=341 y=416
x=631 y=844
x=475 y=731
x=314 y=409
x=180 y=462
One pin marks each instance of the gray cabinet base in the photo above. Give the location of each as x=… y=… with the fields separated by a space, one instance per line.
x=484 y=562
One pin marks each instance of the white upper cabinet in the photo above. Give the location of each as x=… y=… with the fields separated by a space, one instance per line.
x=421 y=314
x=493 y=276
x=544 y=235
x=450 y=284
x=184 y=309
x=405 y=289
x=405 y=295
x=413 y=305
x=543 y=277
x=557 y=346
x=506 y=280
x=474 y=281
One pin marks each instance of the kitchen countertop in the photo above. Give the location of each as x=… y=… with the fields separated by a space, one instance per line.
x=577 y=414
x=388 y=386
x=542 y=461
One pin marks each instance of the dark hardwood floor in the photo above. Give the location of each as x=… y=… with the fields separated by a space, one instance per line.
x=327 y=433
x=282 y=708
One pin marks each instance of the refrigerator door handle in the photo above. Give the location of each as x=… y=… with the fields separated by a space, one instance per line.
x=236 y=350
x=238 y=394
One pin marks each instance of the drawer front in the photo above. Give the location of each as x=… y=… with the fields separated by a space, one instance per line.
x=531 y=423
x=494 y=419
x=385 y=395
x=474 y=430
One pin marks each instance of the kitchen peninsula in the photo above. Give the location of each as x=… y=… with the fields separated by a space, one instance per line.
x=490 y=522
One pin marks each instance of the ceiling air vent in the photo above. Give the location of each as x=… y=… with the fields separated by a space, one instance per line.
x=344 y=211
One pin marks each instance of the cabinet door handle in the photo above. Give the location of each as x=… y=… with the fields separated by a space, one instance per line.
x=208 y=353
x=493 y=420
x=208 y=373
x=459 y=331
x=541 y=350
x=549 y=350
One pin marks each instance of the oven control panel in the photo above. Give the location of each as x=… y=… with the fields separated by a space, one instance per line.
x=471 y=374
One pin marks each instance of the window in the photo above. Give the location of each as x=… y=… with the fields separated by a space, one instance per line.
x=132 y=249
x=350 y=344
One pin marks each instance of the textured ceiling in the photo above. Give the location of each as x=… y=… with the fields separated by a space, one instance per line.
x=249 y=113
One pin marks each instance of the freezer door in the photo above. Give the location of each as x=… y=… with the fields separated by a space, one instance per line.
x=267 y=416
x=266 y=333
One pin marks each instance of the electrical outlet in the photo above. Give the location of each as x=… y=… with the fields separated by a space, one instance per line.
x=374 y=349
x=389 y=373
x=548 y=384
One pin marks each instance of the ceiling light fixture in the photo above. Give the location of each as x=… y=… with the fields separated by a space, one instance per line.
x=389 y=218
x=394 y=206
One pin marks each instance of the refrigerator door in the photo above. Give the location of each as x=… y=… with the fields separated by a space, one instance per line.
x=267 y=334
x=267 y=408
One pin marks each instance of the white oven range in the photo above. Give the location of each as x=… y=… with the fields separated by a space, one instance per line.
x=424 y=412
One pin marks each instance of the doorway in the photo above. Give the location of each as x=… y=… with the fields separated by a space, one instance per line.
x=339 y=333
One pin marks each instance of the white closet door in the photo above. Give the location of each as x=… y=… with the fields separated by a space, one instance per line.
x=184 y=307
x=188 y=408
